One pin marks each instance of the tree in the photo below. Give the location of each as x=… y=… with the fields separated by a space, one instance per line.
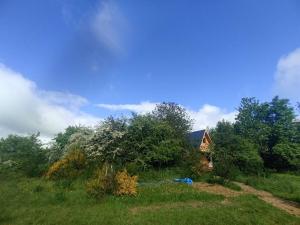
x=26 y=152
x=151 y=142
x=266 y=124
x=280 y=120
x=251 y=121
x=176 y=116
x=233 y=151
x=105 y=145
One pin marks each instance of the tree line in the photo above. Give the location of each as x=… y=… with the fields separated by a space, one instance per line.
x=264 y=136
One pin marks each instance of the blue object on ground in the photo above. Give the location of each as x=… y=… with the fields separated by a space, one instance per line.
x=184 y=180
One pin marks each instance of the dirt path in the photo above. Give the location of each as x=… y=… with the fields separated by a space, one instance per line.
x=288 y=206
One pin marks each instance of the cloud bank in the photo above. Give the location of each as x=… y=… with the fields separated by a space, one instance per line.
x=287 y=76
x=206 y=116
x=26 y=109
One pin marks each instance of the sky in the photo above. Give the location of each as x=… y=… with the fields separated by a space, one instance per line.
x=66 y=62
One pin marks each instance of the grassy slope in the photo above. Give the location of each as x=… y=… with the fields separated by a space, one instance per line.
x=35 y=201
x=286 y=186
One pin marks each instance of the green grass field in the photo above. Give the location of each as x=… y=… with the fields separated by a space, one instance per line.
x=285 y=186
x=36 y=201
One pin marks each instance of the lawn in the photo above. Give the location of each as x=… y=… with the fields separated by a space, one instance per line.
x=36 y=201
x=285 y=186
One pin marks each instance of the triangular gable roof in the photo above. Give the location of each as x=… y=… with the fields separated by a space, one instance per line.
x=196 y=137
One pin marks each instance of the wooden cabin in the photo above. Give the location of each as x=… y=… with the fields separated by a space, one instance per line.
x=201 y=140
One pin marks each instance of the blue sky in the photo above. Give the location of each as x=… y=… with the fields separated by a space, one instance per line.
x=90 y=59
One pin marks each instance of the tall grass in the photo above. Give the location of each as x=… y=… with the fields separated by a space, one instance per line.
x=286 y=186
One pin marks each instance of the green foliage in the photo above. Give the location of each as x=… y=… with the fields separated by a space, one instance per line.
x=38 y=188
x=233 y=152
x=101 y=184
x=24 y=153
x=224 y=164
x=286 y=156
x=191 y=163
x=62 y=138
x=251 y=121
x=150 y=142
x=176 y=116
x=267 y=124
x=160 y=175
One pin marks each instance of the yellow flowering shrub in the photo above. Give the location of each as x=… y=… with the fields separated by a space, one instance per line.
x=125 y=184
x=69 y=166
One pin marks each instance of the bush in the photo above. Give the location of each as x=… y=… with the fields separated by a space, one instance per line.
x=224 y=165
x=68 y=167
x=192 y=164
x=286 y=156
x=125 y=184
x=102 y=183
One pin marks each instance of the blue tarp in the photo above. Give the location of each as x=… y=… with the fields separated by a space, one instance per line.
x=184 y=180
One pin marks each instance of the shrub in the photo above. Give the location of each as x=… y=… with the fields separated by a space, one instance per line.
x=286 y=156
x=125 y=184
x=68 y=167
x=102 y=183
x=224 y=165
x=192 y=164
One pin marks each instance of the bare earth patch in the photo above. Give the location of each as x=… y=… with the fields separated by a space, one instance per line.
x=216 y=189
x=288 y=206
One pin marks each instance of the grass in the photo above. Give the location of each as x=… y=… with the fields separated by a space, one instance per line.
x=167 y=174
x=285 y=186
x=36 y=201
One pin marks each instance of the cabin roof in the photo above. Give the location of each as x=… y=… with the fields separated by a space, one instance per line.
x=196 y=137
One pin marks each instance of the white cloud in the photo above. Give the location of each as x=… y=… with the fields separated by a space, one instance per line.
x=287 y=76
x=25 y=109
x=142 y=108
x=109 y=26
x=206 y=116
x=209 y=115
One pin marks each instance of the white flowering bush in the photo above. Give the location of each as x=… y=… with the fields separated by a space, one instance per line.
x=105 y=145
